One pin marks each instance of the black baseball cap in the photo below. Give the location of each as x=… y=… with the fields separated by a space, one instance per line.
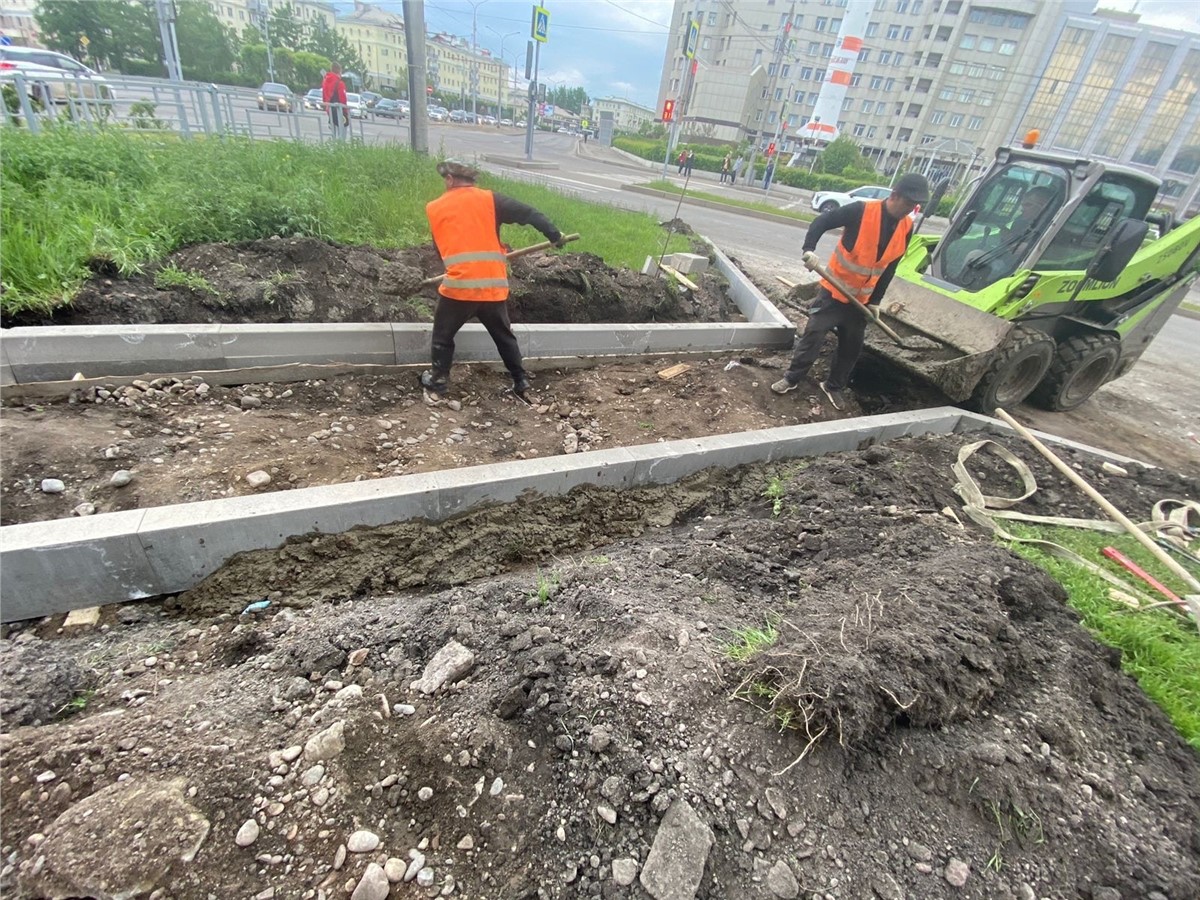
x=913 y=186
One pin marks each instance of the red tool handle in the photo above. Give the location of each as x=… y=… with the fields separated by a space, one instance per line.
x=1120 y=558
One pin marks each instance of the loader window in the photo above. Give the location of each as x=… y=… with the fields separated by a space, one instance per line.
x=993 y=234
x=1110 y=200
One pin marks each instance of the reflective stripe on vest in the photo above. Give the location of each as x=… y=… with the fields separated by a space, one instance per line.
x=859 y=269
x=463 y=222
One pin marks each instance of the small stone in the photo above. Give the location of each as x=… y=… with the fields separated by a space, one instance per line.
x=362 y=842
x=607 y=813
x=394 y=869
x=258 y=479
x=425 y=794
x=425 y=877
x=85 y=509
x=782 y=882
x=919 y=852
x=957 y=872
x=247 y=834
x=417 y=864
x=52 y=486
x=624 y=871
x=326 y=744
x=249 y=402
x=599 y=740
x=358 y=656
x=467 y=843
x=373 y=885
x=120 y=478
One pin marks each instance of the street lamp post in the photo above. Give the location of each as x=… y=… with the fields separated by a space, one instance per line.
x=499 y=87
x=475 y=4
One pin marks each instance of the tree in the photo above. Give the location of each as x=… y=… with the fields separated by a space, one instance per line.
x=572 y=99
x=117 y=31
x=204 y=43
x=842 y=154
x=286 y=30
x=324 y=41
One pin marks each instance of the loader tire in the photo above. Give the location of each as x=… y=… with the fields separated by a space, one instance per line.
x=1018 y=367
x=1080 y=366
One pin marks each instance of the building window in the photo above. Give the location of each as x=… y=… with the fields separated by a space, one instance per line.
x=933 y=61
x=835 y=25
x=707 y=43
x=771 y=68
x=968 y=41
x=898 y=60
x=871 y=131
x=987 y=44
x=757 y=59
x=956 y=120
x=826 y=51
x=937 y=117
x=712 y=19
x=864 y=55
x=885 y=57
x=914 y=110
x=967 y=95
x=996 y=73
x=974 y=123
x=907 y=34
x=846 y=103
x=1008 y=48
x=868 y=105
x=986 y=98
x=946 y=93
x=814 y=48
x=893 y=32
x=876 y=82
x=954 y=7
x=860 y=130
x=957 y=68
x=806 y=73
x=822 y=23
x=798 y=22
x=916 y=7
x=888 y=84
x=872 y=29
x=820 y=76
x=974 y=70
x=1018 y=22
x=901 y=6
x=784 y=71
x=778 y=94
x=855 y=80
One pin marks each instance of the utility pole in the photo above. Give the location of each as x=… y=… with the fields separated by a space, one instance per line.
x=780 y=49
x=683 y=101
x=414 y=41
x=165 y=10
x=475 y=4
x=260 y=9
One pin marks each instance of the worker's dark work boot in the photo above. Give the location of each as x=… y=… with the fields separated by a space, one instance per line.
x=521 y=384
x=435 y=382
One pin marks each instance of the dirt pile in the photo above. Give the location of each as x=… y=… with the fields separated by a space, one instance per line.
x=280 y=280
x=557 y=699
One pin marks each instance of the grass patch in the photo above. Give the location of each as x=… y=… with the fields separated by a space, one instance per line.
x=1159 y=647
x=172 y=276
x=774 y=492
x=129 y=198
x=547 y=587
x=675 y=190
x=751 y=641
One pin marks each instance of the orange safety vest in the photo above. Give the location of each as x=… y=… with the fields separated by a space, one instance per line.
x=463 y=221
x=859 y=269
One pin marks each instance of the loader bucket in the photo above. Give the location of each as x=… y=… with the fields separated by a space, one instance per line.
x=962 y=340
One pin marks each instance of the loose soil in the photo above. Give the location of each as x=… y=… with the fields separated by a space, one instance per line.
x=930 y=720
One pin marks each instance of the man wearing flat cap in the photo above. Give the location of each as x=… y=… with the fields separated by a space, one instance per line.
x=875 y=235
x=466 y=221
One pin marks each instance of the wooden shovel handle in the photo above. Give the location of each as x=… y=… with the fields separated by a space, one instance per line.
x=524 y=251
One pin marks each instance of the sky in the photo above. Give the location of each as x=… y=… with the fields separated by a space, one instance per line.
x=610 y=48
x=615 y=48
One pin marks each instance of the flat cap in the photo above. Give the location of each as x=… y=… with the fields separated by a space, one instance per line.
x=913 y=186
x=456 y=168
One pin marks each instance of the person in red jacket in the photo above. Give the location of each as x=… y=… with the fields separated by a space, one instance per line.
x=333 y=92
x=465 y=222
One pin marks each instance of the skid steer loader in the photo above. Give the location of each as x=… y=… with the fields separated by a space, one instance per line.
x=1052 y=279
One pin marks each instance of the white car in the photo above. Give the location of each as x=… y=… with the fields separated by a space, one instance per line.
x=356 y=105
x=57 y=75
x=824 y=201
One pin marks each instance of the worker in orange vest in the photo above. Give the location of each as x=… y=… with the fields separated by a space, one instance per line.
x=466 y=221
x=875 y=235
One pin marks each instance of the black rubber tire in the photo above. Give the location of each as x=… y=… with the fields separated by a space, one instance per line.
x=1017 y=369
x=1080 y=366
x=828 y=205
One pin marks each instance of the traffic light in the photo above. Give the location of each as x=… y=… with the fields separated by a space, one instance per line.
x=771 y=149
x=668 y=112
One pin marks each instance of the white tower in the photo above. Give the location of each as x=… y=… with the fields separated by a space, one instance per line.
x=822 y=127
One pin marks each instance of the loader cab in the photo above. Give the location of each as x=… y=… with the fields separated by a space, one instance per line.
x=1040 y=212
x=998 y=228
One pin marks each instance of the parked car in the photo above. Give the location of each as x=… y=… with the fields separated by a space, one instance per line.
x=437 y=113
x=487 y=120
x=277 y=97
x=314 y=99
x=506 y=121
x=460 y=115
x=59 y=76
x=356 y=105
x=824 y=201
x=371 y=99
x=390 y=109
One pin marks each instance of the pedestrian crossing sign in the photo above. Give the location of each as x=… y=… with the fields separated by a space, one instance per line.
x=541 y=24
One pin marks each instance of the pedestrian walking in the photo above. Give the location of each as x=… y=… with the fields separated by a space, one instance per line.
x=682 y=161
x=333 y=93
x=465 y=222
x=875 y=235
x=726 y=163
x=691 y=161
x=737 y=169
x=769 y=174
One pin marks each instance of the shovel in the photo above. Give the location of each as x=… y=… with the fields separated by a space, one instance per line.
x=814 y=264
x=524 y=251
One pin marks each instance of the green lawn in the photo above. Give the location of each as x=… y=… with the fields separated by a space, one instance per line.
x=675 y=190
x=72 y=197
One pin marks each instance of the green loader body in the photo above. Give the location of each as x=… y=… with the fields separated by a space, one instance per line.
x=1048 y=283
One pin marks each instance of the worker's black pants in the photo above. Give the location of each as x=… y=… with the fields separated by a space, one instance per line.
x=451 y=315
x=848 y=324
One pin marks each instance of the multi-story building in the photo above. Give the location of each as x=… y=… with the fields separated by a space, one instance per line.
x=627 y=115
x=1115 y=89
x=938 y=79
x=379 y=38
x=241 y=14
x=454 y=68
x=17 y=22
